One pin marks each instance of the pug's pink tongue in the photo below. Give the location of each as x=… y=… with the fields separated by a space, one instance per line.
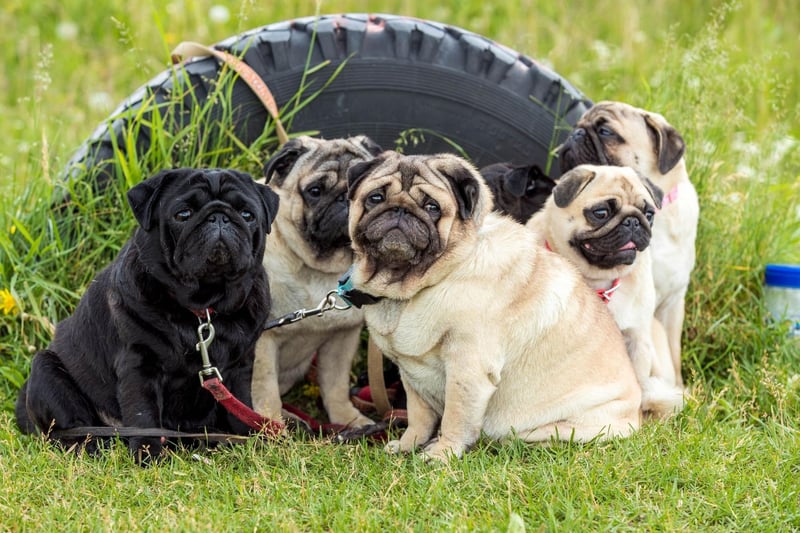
x=628 y=246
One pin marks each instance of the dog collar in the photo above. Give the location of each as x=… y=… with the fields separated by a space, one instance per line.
x=351 y=295
x=203 y=314
x=604 y=294
x=669 y=198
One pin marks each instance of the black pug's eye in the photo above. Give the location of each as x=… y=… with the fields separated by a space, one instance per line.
x=183 y=215
x=375 y=198
x=248 y=216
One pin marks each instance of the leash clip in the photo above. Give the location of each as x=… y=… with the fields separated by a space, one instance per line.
x=202 y=347
x=327 y=304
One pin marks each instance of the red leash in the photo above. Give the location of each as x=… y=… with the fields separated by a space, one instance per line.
x=235 y=407
x=211 y=380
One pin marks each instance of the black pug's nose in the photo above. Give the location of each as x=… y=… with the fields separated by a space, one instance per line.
x=221 y=219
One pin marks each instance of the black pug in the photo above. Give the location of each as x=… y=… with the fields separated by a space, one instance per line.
x=518 y=191
x=127 y=356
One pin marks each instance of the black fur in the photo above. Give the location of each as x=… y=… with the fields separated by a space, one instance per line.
x=127 y=354
x=518 y=191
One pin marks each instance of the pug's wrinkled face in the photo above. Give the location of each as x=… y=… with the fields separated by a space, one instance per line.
x=202 y=229
x=310 y=175
x=605 y=214
x=409 y=213
x=618 y=134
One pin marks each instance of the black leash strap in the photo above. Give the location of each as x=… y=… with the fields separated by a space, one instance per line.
x=110 y=431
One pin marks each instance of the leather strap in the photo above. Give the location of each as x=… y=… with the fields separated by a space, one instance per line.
x=111 y=431
x=377 y=385
x=189 y=50
x=238 y=409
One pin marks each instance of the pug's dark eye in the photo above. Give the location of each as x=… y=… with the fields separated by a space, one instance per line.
x=431 y=207
x=376 y=198
x=601 y=213
x=315 y=191
x=605 y=131
x=183 y=215
x=649 y=215
x=247 y=215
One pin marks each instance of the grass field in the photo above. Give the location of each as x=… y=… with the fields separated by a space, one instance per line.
x=724 y=73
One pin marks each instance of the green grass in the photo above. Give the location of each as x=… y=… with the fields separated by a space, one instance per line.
x=724 y=73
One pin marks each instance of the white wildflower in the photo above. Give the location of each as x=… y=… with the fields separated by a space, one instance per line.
x=67 y=30
x=100 y=101
x=219 y=14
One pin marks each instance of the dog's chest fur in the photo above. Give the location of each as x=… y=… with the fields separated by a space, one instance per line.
x=411 y=344
x=399 y=329
x=673 y=240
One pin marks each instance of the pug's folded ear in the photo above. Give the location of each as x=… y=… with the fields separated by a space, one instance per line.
x=571 y=184
x=271 y=202
x=465 y=181
x=669 y=144
x=280 y=164
x=144 y=196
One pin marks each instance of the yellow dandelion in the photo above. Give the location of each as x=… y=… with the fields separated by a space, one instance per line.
x=13 y=229
x=310 y=391
x=7 y=303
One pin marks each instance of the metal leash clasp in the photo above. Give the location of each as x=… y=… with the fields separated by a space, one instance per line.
x=328 y=303
x=202 y=346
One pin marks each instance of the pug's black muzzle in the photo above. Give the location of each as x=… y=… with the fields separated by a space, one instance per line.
x=581 y=148
x=618 y=246
x=216 y=248
x=397 y=238
x=328 y=231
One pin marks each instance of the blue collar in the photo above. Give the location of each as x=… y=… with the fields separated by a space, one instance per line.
x=354 y=296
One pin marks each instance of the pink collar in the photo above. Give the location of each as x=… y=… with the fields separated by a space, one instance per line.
x=669 y=198
x=604 y=294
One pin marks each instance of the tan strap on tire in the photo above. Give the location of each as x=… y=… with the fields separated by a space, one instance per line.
x=188 y=50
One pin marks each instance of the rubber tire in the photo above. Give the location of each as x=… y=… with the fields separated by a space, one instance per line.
x=401 y=73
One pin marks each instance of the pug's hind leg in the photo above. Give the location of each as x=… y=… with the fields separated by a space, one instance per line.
x=616 y=418
x=53 y=400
